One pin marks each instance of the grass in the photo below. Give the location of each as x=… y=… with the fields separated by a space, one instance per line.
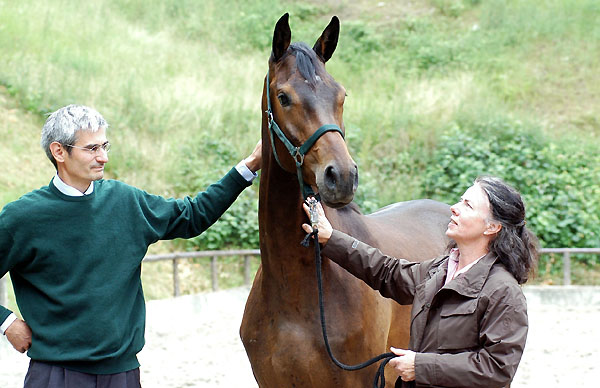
x=180 y=82
x=25 y=165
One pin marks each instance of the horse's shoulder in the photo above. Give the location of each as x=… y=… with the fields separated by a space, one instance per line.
x=416 y=206
x=412 y=229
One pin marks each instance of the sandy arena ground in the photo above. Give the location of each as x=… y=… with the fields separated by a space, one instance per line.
x=193 y=341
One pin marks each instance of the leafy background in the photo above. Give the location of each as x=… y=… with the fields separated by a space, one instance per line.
x=439 y=92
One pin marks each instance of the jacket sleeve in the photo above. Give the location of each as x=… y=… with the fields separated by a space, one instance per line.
x=393 y=278
x=188 y=217
x=503 y=332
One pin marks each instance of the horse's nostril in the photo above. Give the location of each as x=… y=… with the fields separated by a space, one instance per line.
x=331 y=177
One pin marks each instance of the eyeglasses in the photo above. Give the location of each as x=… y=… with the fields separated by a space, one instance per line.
x=94 y=148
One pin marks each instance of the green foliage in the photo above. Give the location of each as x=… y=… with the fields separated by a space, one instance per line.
x=360 y=39
x=453 y=8
x=207 y=20
x=238 y=227
x=180 y=83
x=559 y=181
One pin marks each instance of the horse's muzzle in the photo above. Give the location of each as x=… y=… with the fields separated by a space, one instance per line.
x=337 y=186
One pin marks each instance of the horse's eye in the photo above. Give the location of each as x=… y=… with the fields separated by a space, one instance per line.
x=284 y=100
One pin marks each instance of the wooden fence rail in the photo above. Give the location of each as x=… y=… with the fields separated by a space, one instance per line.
x=248 y=253
x=566 y=253
x=214 y=272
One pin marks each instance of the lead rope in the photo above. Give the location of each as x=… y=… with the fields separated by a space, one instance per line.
x=379 y=381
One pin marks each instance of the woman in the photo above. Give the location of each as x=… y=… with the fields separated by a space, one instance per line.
x=469 y=314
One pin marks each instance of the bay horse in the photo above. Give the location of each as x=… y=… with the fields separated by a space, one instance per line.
x=280 y=328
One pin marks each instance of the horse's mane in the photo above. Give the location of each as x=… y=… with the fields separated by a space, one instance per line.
x=305 y=61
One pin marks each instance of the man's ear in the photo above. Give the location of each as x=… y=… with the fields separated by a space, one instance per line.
x=58 y=151
x=493 y=227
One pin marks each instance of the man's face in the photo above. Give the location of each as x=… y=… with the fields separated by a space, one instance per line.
x=82 y=166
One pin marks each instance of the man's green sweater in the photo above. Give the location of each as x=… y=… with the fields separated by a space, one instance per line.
x=75 y=265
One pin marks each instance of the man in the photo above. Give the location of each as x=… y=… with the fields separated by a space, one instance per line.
x=74 y=250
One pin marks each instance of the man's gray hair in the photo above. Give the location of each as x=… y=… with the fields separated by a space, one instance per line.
x=62 y=126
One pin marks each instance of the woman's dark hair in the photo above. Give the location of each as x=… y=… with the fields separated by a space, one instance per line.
x=515 y=246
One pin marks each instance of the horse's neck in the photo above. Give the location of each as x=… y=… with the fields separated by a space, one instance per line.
x=280 y=222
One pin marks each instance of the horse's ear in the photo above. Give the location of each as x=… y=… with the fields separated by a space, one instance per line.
x=281 y=37
x=326 y=44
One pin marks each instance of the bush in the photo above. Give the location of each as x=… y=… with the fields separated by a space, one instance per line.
x=559 y=184
x=238 y=227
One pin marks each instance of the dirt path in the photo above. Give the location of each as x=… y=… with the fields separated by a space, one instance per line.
x=193 y=341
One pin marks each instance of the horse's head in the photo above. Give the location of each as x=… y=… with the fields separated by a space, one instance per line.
x=305 y=99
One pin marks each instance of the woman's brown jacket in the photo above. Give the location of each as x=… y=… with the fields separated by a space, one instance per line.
x=469 y=333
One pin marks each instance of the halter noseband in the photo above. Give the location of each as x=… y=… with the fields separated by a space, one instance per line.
x=297 y=153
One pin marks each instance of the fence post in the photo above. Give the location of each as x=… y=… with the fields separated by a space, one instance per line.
x=247 y=270
x=176 y=291
x=3 y=298
x=214 y=273
x=567 y=268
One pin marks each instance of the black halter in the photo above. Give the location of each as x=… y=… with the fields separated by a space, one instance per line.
x=296 y=152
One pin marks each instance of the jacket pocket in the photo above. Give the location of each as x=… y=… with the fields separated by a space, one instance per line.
x=458 y=327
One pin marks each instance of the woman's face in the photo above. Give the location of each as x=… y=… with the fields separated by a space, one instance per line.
x=470 y=216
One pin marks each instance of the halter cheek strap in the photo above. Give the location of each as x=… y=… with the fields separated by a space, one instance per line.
x=297 y=153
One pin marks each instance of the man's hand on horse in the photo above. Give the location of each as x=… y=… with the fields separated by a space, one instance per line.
x=254 y=161
x=19 y=335
x=404 y=364
x=323 y=225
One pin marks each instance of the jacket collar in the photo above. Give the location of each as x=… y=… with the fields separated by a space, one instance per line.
x=471 y=282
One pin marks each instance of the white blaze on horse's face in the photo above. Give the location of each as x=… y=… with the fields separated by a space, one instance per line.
x=317 y=77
